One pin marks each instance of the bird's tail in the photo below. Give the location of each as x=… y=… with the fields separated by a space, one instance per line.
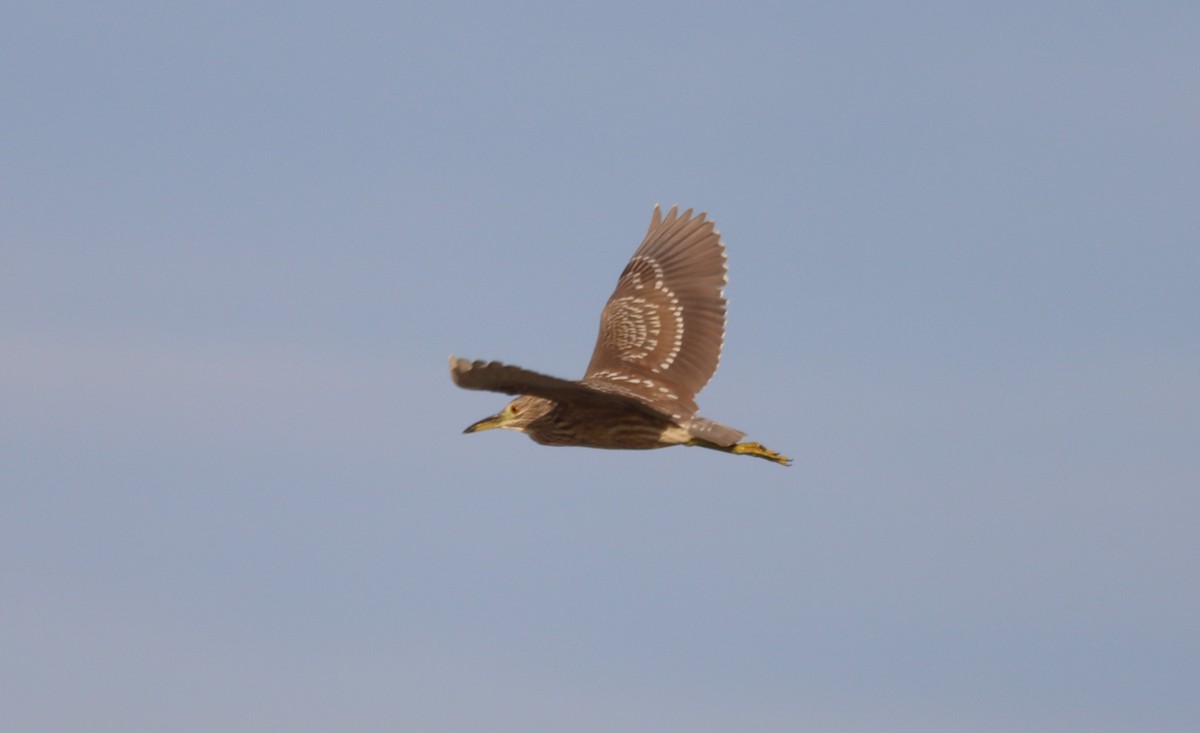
x=713 y=432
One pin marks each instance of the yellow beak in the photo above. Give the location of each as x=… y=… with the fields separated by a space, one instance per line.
x=487 y=423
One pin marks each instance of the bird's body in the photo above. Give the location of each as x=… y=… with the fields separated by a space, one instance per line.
x=660 y=339
x=562 y=423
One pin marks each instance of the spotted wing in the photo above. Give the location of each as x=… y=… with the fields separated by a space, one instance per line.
x=662 y=329
x=496 y=377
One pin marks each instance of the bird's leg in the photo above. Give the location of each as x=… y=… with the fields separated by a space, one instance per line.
x=757 y=449
x=743 y=449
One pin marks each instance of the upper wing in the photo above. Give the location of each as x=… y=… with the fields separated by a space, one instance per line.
x=662 y=329
x=496 y=377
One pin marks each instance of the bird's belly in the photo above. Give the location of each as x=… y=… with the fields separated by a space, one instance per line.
x=593 y=428
x=674 y=435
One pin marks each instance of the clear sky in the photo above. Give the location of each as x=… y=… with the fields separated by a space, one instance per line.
x=238 y=242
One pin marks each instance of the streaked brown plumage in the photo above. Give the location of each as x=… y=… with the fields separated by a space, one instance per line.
x=660 y=339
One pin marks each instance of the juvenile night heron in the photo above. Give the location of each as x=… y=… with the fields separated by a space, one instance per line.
x=660 y=339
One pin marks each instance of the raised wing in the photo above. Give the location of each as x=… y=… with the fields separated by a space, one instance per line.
x=496 y=377
x=662 y=329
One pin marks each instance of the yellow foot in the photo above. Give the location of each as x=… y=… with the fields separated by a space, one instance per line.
x=756 y=449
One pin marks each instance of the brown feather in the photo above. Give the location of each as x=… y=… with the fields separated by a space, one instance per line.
x=662 y=329
x=494 y=376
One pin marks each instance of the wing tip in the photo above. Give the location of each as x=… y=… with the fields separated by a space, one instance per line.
x=460 y=368
x=689 y=215
x=457 y=368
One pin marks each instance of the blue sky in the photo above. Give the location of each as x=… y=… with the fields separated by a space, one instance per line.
x=238 y=242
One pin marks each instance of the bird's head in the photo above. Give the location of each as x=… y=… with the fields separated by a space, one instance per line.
x=515 y=415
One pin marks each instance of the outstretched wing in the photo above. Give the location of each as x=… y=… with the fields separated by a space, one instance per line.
x=496 y=377
x=662 y=329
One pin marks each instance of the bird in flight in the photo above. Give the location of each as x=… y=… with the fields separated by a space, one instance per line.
x=660 y=340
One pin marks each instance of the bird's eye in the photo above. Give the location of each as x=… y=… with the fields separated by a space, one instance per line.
x=514 y=409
